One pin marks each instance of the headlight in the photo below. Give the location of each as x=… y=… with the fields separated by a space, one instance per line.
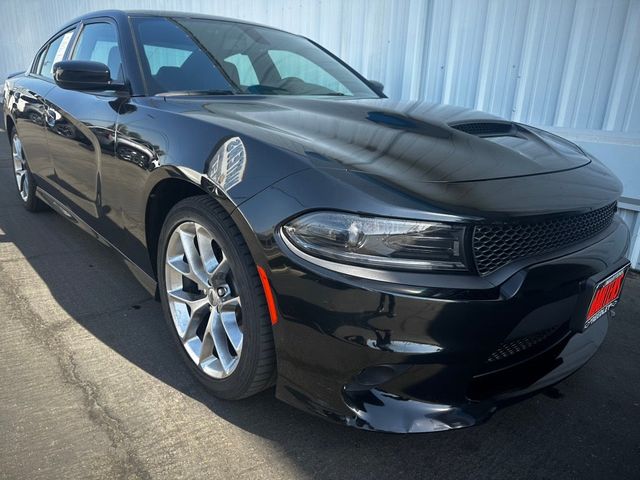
x=378 y=242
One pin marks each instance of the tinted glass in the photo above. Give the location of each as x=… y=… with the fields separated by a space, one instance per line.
x=244 y=68
x=158 y=57
x=98 y=42
x=35 y=68
x=54 y=54
x=294 y=66
x=173 y=60
x=256 y=60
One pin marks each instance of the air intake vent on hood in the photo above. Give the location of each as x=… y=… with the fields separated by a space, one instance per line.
x=486 y=129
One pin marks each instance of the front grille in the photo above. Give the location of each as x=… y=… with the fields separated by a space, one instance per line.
x=496 y=245
x=519 y=345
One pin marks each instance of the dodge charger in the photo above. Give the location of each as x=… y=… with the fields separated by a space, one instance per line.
x=392 y=266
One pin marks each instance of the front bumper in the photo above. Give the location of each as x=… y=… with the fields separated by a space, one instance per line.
x=396 y=358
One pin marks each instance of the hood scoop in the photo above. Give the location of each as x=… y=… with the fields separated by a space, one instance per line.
x=486 y=129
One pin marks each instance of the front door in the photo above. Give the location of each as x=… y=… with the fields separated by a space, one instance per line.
x=80 y=126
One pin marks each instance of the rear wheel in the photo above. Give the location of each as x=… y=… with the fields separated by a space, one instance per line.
x=24 y=180
x=213 y=300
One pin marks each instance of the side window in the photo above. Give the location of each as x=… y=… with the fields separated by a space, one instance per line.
x=54 y=54
x=98 y=42
x=290 y=64
x=35 y=66
x=244 y=71
x=174 y=61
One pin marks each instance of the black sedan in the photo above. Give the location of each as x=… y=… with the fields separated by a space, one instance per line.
x=401 y=267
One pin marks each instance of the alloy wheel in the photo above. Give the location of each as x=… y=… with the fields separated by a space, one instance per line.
x=203 y=301
x=20 y=167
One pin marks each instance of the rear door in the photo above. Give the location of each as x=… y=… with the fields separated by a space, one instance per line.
x=81 y=125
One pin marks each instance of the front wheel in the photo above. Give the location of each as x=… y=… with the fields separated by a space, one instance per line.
x=213 y=300
x=24 y=179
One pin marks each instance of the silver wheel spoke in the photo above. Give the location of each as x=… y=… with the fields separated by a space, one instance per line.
x=17 y=163
x=220 y=272
x=20 y=167
x=194 y=253
x=230 y=304
x=20 y=179
x=227 y=311
x=179 y=265
x=207 y=257
x=220 y=341
x=206 y=351
x=232 y=331
x=194 y=302
x=197 y=305
x=196 y=269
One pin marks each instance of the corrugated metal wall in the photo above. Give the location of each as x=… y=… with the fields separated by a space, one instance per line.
x=567 y=64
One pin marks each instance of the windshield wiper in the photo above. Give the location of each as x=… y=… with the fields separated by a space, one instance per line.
x=331 y=94
x=180 y=93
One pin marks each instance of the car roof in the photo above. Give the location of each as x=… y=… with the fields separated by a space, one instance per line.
x=124 y=14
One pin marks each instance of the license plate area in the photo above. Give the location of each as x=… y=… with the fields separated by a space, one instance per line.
x=605 y=295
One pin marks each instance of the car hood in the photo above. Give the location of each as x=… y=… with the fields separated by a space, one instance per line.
x=399 y=141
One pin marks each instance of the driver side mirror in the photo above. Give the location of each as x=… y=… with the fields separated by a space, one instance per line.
x=378 y=87
x=84 y=75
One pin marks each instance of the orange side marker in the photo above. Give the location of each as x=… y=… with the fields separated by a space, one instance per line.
x=269 y=295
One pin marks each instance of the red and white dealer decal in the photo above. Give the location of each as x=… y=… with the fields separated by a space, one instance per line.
x=605 y=296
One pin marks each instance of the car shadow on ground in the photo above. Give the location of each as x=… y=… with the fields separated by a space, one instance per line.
x=540 y=437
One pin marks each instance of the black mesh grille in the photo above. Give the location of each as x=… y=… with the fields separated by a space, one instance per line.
x=485 y=128
x=495 y=245
x=519 y=345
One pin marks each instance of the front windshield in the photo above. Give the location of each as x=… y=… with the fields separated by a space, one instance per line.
x=207 y=56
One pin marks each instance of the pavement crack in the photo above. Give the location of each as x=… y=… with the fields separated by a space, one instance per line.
x=128 y=464
x=124 y=459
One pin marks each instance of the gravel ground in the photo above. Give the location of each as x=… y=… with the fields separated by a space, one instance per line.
x=91 y=387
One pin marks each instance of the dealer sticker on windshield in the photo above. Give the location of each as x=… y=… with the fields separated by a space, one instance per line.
x=606 y=295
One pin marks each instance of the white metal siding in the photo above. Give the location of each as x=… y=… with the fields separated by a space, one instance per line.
x=570 y=64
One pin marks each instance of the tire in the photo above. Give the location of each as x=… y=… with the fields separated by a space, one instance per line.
x=203 y=222
x=25 y=183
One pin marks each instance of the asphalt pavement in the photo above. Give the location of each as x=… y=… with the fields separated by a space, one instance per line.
x=92 y=387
